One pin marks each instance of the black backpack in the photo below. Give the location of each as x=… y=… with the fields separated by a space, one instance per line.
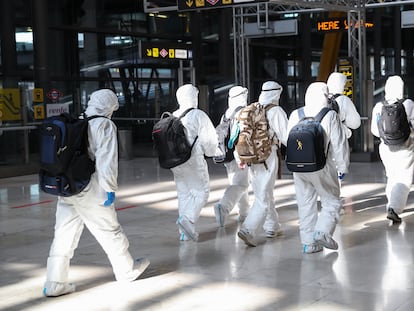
x=393 y=125
x=65 y=166
x=332 y=103
x=224 y=132
x=305 y=151
x=170 y=140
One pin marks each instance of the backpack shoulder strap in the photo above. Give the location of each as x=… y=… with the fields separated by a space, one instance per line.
x=335 y=96
x=182 y=115
x=185 y=112
x=270 y=106
x=401 y=101
x=301 y=113
x=322 y=113
x=235 y=111
x=94 y=117
x=223 y=118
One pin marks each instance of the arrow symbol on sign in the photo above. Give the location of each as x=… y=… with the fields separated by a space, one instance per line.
x=189 y=3
x=149 y=52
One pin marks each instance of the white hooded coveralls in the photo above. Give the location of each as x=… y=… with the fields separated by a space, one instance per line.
x=192 y=177
x=236 y=192
x=263 y=211
x=86 y=208
x=323 y=183
x=398 y=160
x=349 y=116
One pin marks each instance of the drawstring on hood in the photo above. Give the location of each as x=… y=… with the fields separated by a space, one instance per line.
x=270 y=94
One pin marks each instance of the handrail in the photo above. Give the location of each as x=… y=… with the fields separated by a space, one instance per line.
x=17 y=128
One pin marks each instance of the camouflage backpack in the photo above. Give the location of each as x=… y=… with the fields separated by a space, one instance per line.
x=254 y=144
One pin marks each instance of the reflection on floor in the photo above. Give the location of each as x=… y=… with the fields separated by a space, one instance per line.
x=372 y=270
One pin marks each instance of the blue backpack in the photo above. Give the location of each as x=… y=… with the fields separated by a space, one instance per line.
x=65 y=166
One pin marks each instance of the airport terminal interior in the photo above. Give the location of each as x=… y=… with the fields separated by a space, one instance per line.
x=53 y=54
x=371 y=270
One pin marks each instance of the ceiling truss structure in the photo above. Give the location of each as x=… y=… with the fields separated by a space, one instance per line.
x=356 y=35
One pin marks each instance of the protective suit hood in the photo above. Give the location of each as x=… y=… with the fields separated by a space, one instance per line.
x=103 y=103
x=187 y=97
x=270 y=94
x=316 y=97
x=394 y=89
x=336 y=83
x=237 y=98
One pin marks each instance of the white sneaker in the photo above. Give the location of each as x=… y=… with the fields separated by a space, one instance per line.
x=54 y=289
x=325 y=240
x=312 y=248
x=272 y=234
x=220 y=213
x=247 y=237
x=185 y=225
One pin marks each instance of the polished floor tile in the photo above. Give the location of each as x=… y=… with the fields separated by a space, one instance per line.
x=372 y=269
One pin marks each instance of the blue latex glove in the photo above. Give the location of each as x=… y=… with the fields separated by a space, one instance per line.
x=341 y=176
x=111 y=198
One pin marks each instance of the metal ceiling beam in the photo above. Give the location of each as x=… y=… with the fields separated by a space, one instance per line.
x=326 y=5
x=262 y=10
x=382 y=3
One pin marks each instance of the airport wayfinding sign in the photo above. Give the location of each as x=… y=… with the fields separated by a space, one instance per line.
x=168 y=51
x=186 y=5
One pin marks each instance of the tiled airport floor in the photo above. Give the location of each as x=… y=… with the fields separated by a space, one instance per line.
x=372 y=269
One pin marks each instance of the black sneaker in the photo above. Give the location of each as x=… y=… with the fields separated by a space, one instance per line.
x=391 y=215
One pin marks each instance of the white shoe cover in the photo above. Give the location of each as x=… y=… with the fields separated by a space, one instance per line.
x=140 y=266
x=54 y=289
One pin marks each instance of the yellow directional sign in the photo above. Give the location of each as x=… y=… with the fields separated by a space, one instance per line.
x=39 y=112
x=38 y=95
x=171 y=53
x=199 y=3
x=166 y=50
x=10 y=104
x=346 y=67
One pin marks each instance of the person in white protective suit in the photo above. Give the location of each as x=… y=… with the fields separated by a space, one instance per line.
x=93 y=207
x=236 y=192
x=349 y=116
x=263 y=211
x=316 y=229
x=398 y=160
x=192 y=177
